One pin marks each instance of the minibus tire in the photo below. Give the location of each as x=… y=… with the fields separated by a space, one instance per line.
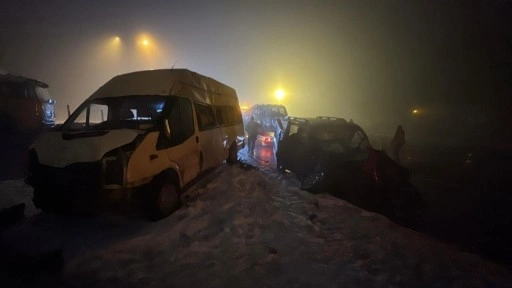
x=233 y=155
x=163 y=189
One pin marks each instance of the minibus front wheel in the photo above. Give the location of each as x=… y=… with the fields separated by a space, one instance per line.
x=164 y=197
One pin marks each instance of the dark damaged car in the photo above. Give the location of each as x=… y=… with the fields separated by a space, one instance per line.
x=333 y=155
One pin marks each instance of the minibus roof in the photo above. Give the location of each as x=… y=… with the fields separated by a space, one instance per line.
x=167 y=82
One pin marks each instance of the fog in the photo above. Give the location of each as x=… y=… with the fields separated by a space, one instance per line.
x=373 y=62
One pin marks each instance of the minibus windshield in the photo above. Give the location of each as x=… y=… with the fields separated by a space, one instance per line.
x=126 y=112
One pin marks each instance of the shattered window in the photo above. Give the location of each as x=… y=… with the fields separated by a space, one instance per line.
x=329 y=132
x=358 y=140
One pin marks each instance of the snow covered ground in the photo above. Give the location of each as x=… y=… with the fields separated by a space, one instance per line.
x=240 y=228
x=13 y=192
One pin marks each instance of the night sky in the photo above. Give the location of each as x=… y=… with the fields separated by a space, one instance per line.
x=372 y=61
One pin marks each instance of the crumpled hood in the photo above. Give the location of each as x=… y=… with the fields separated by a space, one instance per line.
x=53 y=150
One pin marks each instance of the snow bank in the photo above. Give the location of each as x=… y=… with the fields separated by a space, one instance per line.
x=13 y=192
x=257 y=229
x=245 y=228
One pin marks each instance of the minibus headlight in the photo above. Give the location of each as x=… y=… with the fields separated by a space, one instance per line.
x=116 y=161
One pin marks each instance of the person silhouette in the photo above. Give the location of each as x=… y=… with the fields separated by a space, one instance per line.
x=253 y=128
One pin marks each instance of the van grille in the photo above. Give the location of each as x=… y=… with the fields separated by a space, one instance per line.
x=80 y=182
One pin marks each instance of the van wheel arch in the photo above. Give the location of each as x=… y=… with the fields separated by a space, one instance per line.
x=163 y=197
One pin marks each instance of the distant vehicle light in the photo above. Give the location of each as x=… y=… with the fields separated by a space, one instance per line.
x=279 y=94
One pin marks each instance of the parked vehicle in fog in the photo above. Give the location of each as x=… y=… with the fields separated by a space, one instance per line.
x=26 y=111
x=142 y=138
x=26 y=105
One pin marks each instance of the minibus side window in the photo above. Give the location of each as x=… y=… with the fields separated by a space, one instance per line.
x=205 y=117
x=236 y=115
x=219 y=114
x=223 y=114
x=181 y=123
x=228 y=115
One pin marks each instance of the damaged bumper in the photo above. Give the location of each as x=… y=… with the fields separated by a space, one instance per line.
x=73 y=188
x=77 y=188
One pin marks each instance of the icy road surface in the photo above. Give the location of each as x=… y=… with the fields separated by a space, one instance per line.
x=243 y=228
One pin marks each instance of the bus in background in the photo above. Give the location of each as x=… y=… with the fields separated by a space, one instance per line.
x=26 y=110
x=26 y=105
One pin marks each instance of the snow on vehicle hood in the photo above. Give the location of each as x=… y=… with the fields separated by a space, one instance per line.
x=53 y=150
